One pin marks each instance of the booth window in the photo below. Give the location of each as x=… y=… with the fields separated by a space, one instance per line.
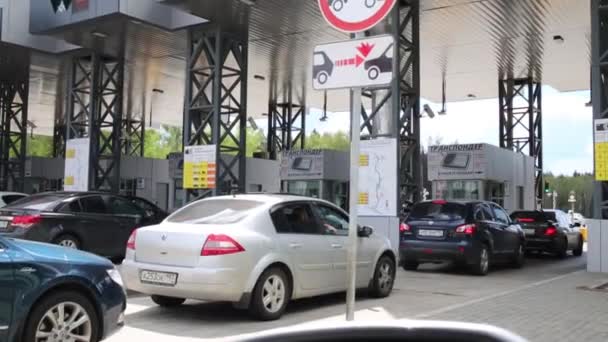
x=304 y=188
x=466 y=190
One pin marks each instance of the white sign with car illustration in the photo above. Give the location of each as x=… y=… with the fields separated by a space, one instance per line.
x=364 y=62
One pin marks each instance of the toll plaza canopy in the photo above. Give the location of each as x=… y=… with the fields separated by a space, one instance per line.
x=469 y=44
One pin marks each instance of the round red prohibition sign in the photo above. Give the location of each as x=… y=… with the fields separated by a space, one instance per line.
x=355 y=15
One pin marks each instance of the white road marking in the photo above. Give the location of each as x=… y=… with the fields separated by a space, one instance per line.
x=493 y=296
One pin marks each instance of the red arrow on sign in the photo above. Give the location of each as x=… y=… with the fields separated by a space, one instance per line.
x=359 y=60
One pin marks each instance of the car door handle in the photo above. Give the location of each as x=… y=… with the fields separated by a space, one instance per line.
x=336 y=245
x=295 y=245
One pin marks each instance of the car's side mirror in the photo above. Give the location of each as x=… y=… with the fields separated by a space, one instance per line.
x=365 y=231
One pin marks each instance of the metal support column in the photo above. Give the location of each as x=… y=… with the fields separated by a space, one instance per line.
x=95 y=111
x=599 y=89
x=14 y=91
x=521 y=122
x=215 y=104
x=286 y=122
x=401 y=100
x=132 y=138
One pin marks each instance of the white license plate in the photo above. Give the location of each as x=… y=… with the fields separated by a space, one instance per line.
x=3 y=224
x=429 y=232
x=530 y=231
x=158 y=278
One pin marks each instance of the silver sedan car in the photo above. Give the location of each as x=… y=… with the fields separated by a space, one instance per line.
x=257 y=251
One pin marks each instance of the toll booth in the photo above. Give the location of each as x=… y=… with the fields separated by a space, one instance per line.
x=317 y=173
x=43 y=174
x=482 y=172
x=262 y=176
x=147 y=178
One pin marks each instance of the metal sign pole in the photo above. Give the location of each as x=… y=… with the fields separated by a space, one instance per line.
x=353 y=227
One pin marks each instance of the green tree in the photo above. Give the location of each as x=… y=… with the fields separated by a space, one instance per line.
x=580 y=183
x=39 y=146
x=339 y=141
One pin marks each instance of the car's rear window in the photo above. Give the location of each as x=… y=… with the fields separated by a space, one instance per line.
x=220 y=211
x=37 y=202
x=8 y=199
x=533 y=216
x=438 y=211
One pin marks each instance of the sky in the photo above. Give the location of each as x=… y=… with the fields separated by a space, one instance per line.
x=567 y=128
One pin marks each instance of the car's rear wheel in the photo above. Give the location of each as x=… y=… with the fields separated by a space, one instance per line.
x=482 y=264
x=167 y=302
x=563 y=249
x=67 y=241
x=270 y=295
x=322 y=78
x=63 y=316
x=519 y=257
x=384 y=277
x=410 y=265
x=578 y=251
x=373 y=73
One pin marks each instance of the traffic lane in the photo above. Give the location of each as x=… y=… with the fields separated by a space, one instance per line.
x=416 y=294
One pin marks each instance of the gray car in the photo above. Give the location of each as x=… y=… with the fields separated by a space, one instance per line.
x=257 y=251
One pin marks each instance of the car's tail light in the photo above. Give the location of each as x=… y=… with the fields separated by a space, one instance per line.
x=220 y=244
x=131 y=241
x=551 y=231
x=467 y=229
x=405 y=228
x=440 y=202
x=525 y=220
x=25 y=221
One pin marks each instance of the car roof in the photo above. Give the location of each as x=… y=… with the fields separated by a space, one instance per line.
x=3 y=193
x=271 y=198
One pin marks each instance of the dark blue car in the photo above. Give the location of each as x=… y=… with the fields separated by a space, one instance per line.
x=51 y=293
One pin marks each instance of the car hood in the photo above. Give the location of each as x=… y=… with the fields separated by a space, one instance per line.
x=59 y=254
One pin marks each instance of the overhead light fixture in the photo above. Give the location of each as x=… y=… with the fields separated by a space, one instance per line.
x=443 y=100
x=472 y=96
x=429 y=111
x=136 y=22
x=259 y=77
x=253 y=124
x=324 y=117
x=558 y=39
x=99 y=34
x=154 y=91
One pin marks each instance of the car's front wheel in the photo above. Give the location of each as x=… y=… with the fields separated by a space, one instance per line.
x=482 y=264
x=519 y=257
x=67 y=241
x=578 y=251
x=63 y=316
x=270 y=295
x=384 y=277
x=167 y=302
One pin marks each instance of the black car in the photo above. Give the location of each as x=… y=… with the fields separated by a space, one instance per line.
x=381 y=64
x=151 y=210
x=95 y=222
x=550 y=231
x=474 y=234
